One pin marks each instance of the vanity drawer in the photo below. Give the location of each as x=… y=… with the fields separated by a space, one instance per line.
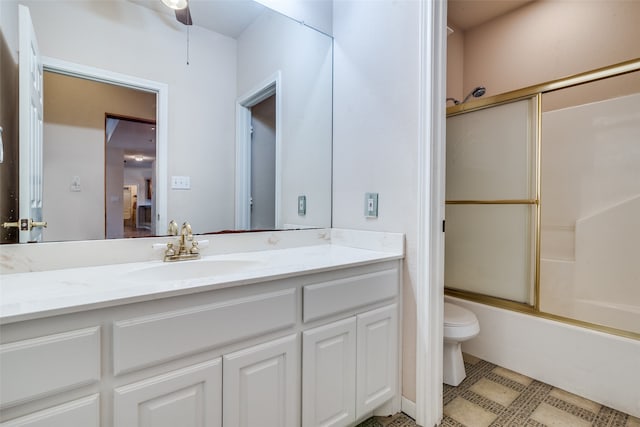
x=337 y=296
x=38 y=367
x=153 y=339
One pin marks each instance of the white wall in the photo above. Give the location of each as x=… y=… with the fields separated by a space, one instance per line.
x=274 y=43
x=114 y=181
x=315 y=13
x=376 y=65
x=126 y=38
x=9 y=25
x=137 y=176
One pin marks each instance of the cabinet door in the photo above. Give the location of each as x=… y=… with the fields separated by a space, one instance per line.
x=83 y=412
x=377 y=367
x=262 y=385
x=188 y=397
x=329 y=375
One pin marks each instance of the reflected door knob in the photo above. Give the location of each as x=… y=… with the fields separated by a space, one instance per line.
x=25 y=224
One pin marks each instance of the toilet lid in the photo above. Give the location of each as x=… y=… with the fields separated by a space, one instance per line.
x=457 y=316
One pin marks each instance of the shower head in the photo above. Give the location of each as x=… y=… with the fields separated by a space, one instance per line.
x=476 y=93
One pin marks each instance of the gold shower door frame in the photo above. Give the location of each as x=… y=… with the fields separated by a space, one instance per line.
x=536 y=92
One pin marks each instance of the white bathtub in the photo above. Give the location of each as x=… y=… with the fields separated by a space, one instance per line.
x=615 y=315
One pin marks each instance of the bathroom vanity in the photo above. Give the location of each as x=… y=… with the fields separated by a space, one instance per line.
x=302 y=335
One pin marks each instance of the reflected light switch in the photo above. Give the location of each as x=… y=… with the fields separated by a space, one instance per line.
x=181 y=182
x=75 y=183
x=302 y=205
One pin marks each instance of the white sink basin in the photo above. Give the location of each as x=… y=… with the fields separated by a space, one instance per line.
x=185 y=270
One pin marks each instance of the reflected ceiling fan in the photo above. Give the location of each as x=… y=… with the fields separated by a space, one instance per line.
x=181 y=7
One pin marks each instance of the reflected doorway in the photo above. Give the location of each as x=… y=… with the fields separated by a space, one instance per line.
x=130 y=161
x=263 y=164
x=76 y=127
x=257 y=171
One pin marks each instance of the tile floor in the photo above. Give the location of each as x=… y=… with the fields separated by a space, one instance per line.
x=497 y=397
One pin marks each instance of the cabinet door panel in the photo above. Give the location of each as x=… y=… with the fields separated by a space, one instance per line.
x=83 y=412
x=188 y=397
x=329 y=375
x=261 y=385
x=377 y=358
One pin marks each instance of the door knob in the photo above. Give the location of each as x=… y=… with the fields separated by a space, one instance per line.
x=25 y=224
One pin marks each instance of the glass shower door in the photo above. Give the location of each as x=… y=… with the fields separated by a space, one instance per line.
x=492 y=201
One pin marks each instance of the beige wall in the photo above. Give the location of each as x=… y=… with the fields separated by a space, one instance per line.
x=549 y=39
x=455 y=64
x=74 y=132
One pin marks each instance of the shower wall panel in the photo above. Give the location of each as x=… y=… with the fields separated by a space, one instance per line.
x=590 y=218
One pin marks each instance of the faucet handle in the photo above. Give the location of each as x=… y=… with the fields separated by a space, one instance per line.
x=170 y=251
x=194 y=247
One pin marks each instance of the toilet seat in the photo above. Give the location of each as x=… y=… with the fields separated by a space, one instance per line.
x=459 y=323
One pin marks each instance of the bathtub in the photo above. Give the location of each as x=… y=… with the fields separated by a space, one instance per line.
x=614 y=315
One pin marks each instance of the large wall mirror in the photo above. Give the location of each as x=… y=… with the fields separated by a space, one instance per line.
x=247 y=123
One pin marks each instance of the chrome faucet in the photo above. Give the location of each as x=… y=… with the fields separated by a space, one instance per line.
x=186 y=235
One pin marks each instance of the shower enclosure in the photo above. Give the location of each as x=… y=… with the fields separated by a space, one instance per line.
x=543 y=200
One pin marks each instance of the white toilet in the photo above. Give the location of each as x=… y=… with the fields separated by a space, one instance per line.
x=460 y=325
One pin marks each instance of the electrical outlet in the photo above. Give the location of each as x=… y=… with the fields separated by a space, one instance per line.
x=302 y=205
x=371 y=205
x=181 y=182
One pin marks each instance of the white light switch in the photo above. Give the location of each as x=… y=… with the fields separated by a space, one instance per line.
x=181 y=182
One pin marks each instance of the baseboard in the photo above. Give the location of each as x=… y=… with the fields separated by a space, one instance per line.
x=408 y=407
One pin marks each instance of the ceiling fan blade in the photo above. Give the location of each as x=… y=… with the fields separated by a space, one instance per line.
x=184 y=16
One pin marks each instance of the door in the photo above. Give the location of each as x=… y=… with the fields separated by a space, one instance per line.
x=30 y=130
x=127 y=198
x=263 y=164
x=261 y=385
x=377 y=358
x=188 y=397
x=329 y=375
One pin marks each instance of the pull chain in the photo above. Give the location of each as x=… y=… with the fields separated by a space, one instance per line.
x=187 y=45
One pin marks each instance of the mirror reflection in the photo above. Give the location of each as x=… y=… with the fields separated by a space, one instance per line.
x=248 y=125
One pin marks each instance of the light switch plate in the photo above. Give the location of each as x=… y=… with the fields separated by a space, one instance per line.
x=302 y=205
x=181 y=182
x=371 y=205
x=75 y=184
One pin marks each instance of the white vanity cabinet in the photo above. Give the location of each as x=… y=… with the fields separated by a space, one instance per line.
x=319 y=348
x=187 y=397
x=79 y=412
x=329 y=374
x=349 y=368
x=261 y=385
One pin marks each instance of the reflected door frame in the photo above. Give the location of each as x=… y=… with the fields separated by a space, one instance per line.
x=162 y=119
x=270 y=86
